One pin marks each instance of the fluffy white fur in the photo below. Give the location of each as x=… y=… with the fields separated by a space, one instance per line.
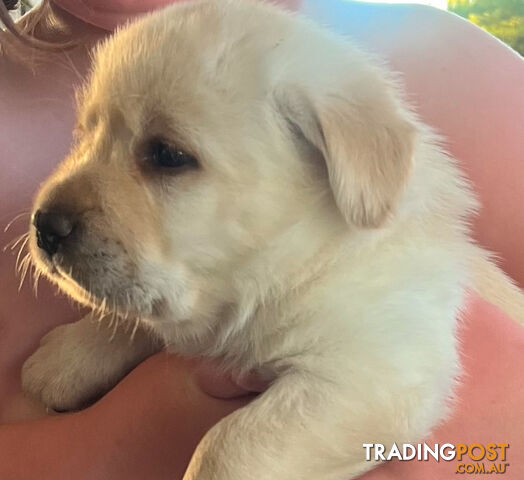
x=322 y=242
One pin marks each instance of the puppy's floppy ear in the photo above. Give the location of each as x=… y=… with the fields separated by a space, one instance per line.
x=365 y=137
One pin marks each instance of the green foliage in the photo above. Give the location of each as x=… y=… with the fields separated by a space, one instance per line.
x=502 y=18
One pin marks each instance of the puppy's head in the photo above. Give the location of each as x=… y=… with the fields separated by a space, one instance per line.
x=207 y=131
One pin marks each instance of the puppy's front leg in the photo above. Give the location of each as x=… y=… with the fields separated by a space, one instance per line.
x=297 y=430
x=79 y=362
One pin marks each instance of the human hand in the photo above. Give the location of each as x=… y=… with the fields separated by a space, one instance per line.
x=146 y=428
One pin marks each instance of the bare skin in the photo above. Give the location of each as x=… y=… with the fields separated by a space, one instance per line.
x=107 y=441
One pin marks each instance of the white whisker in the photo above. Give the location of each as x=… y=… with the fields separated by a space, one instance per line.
x=24 y=267
x=17 y=217
x=22 y=247
x=37 y=274
x=135 y=328
x=13 y=243
x=114 y=330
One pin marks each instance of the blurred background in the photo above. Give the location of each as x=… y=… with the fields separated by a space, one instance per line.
x=502 y=18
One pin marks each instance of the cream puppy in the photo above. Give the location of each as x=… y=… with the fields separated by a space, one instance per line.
x=253 y=189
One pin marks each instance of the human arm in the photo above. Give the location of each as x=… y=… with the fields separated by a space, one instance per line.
x=147 y=428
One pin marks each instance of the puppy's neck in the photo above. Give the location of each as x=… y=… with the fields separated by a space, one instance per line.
x=297 y=257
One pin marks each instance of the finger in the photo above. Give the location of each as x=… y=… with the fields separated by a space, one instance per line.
x=151 y=423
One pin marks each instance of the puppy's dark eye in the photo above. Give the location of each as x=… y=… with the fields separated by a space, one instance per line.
x=162 y=155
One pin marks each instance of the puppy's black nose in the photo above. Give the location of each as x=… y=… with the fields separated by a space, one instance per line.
x=52 y=228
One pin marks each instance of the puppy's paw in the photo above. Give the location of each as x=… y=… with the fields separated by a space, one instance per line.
x=59 y=373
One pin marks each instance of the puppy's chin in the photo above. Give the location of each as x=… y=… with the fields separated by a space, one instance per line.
x=126 y=301
x=88 y=283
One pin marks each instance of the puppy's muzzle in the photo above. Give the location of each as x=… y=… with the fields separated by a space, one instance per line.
x=53 y=228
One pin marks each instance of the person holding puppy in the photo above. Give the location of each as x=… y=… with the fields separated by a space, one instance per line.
x=47 y=110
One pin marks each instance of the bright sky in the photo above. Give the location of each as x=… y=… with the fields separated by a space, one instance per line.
x=435 y=3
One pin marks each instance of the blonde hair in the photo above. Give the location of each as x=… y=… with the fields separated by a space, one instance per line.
x=21 y=35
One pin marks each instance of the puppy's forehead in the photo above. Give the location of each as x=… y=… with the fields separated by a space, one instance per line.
x=191 y=59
